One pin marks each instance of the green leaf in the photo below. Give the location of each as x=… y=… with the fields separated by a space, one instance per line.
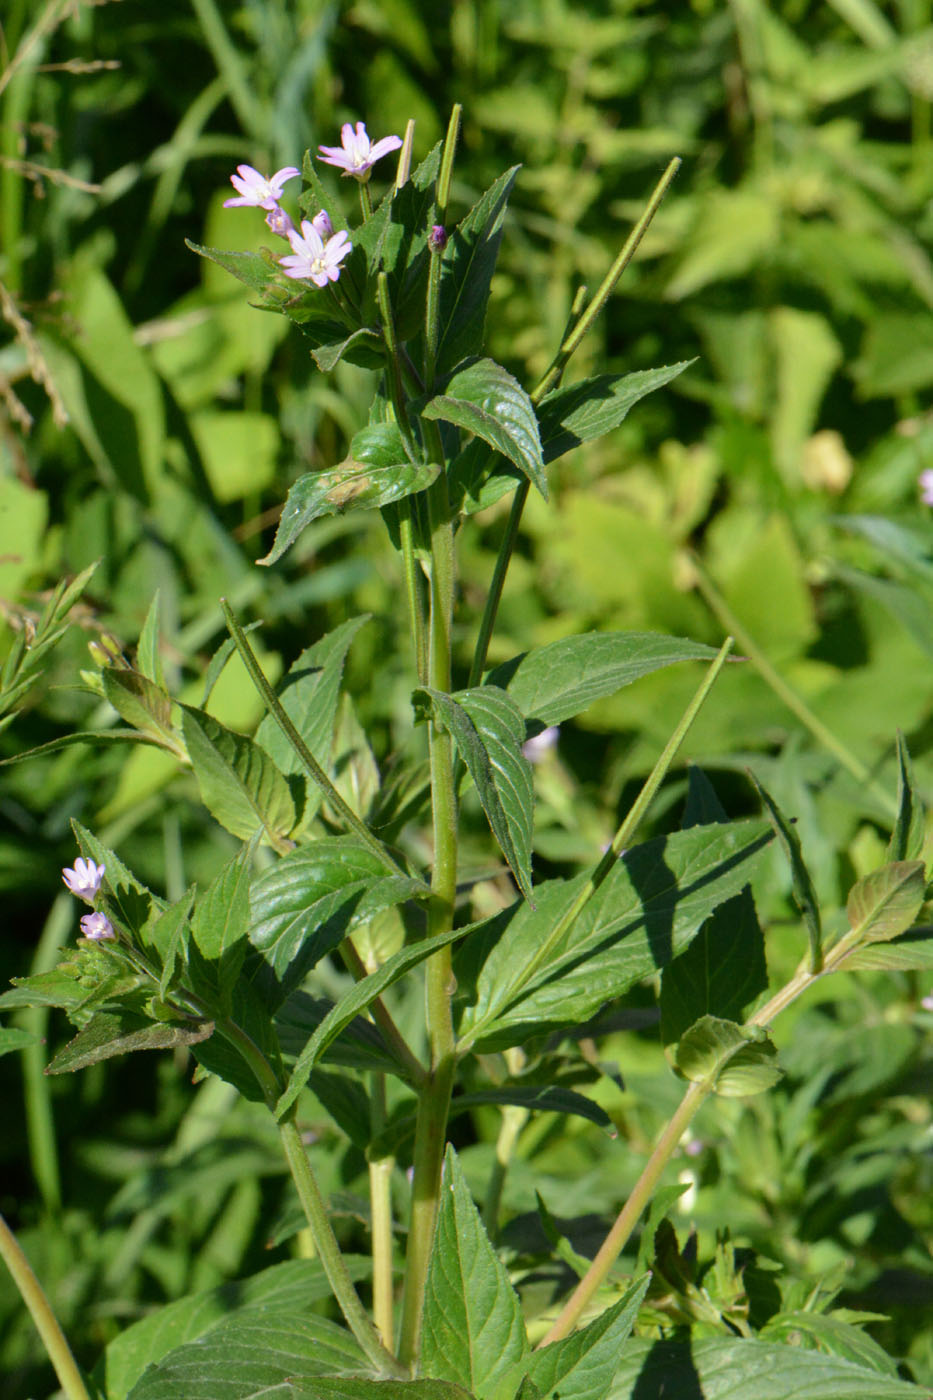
x=365 y=345
x=484 y=399
x=148 y=659
x=540 y=976
x=251 y=268
x=830 y=1334
x=308 y=694
x=910 y=827
x=353 y=1002
x=305 y=905
x=801 y=884
x=723 y=970
x=13 y=1039
x=358 y=1046
x=886 y=902
x=240 y=785
x=128 y=900
x=348 y=1388
x=472 y=1324
x=726 y=1368
x=592 y=407
x=376 y=472
x=731 y=1060
x=582 y=1366
x=554 y=682
x=219 y=928
x=256 y=1355
x=111 y=1033
x=289 y=1287
x=142 y=703
x=466 y=274
x=489 y=732
x=165 y=934
x=912 y=952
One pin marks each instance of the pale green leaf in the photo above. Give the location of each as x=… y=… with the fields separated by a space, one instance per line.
x=582 y=1366
x=239 y=783
x=731 y=1060
x=886 y=902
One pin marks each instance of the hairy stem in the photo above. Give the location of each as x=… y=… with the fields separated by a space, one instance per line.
x=33 y=1295
x=380 y=1208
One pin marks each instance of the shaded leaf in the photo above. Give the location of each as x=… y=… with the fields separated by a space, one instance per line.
x=111 y=1033
x=592 y=407
x=219 y=927
x=801 y=884
x=484 y=399
x=731 y=1060
x=466 y=274
x=910 y=826
x=582 y=1366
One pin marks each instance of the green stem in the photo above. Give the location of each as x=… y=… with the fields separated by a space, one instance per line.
x=434 y=1101
x=32 y=1294
x=432 y=300
x=312 y=767
x=626 y=831
x=580 y=323
x=794 y=702
x=366 y=199
x=380 y=1207
x=383 y=1017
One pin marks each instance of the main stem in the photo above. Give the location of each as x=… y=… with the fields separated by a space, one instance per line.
x=32 y=1294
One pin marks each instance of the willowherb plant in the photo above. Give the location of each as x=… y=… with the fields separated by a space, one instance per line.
x=230 y=971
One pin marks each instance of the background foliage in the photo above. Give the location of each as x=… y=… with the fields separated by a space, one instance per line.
x=775 y=481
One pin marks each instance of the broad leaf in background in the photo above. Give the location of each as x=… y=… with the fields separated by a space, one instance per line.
x=305 y=904
x=473 y=1332
x=731 y=1060
x=466 y=274
x=376 y=472
x=582 y=1366
x=586 y=410
x=484 y=399
x=723 y=970
x=540 y=975
x=308 y=694
x=489 y=731
x=240 y=785
x=801 y=884
x=886 y=902
x=250 y=1355
x=738 y=1369
x=559 y=680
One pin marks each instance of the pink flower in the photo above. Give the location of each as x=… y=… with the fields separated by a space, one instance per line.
x=97 y=927
x=84 y=879
x=311 y=258
x=926 y=487
x=357 y=155
x=279 y=222
x=538 y=745
x=321 y=224
x=254 y=189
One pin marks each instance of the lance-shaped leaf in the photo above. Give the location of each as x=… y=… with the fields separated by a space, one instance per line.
x=308 y=694
x=731 y=1060
x=251 y=268
x=586 y=410
x=912 y=952
x=240 y=785
x=545 y=972
x=359 y=1046
x=466 y=274
x=488 y=730
x=142 y=703
x=256 y=1355
x=148 y=659
x=556 y=681
x=886 y=902
x=582 y=1366
x=353 y=1002
x=910 y=827
x=473 y=1332
x=360 y=347
x=111 y=1033
x=307 y=903
x=376 y=472
x=801 y=884
x=219 y=928
x=128 y=900
x=484 y=399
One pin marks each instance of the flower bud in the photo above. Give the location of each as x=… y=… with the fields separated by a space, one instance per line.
x=438 y=238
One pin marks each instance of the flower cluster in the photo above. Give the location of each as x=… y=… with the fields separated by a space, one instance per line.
x=317 y=252
x=84 y=880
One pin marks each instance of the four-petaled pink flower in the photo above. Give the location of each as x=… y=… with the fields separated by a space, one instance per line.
x=314 y=259
x=254 y=189
x=97 y=927
x=926 y=486
x=83 y=880
x=357 y=155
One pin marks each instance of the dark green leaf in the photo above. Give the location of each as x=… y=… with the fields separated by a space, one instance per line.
x=541 y=974
x=219 y=927
x=165 y=934
x=359 y=1045
x=886 y=902
x=489 y=732
x=473 y=1332
x=111 y=1033
x=305 y=905
x=802 y=885
x=365 y=345
x=13 y=1039
x=348 y=1388
x=466 y=274
x=128 y=900
x=484 y=399
x=583 y=1365
x=251 y=268
x=586 y=410
x=240 y=785
x=910 y=827
x=559 y=680
x=731 y=1060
